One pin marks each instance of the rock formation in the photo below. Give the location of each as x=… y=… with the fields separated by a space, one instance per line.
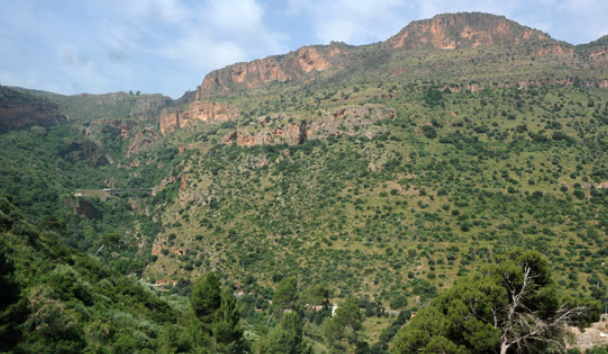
x=340 y=122
x=442 y=32
x=451 y=31
x=204 y=111
x=271 y=70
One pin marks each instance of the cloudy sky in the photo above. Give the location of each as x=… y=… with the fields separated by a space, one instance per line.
x=168 y=46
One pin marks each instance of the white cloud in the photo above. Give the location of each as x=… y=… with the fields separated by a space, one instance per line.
x=169 y=11
x=235 y=15
x=295 y=7
x=168 y=45
x=354 y=22
x=204 y=52
x=587 y=19
x=222 y=33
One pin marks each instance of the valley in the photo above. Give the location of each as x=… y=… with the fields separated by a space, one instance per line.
x=374 y=177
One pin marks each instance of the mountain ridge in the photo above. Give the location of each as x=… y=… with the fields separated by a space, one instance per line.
x=445 y=31
x=514 y=55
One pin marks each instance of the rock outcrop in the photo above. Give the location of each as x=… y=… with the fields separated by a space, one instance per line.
x=141 y=140
x=344 y=121
x=19 y=108
x=14 y=116
x=274 y=69
x=203 y=111
x=524 y=47
x=451 y=31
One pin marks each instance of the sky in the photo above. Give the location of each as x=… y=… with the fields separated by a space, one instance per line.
x=168 y=46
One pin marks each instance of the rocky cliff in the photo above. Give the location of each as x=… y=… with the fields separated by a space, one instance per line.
x=19 y=108
x=198 y=111
x=344 y=121
x=451 y=31
x=20 y=115
x=555 y=62
x=301 y=64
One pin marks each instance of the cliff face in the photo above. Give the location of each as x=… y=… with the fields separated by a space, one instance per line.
x=344 y=121
x=275 y=69
x=205 y=111
x=19 y=108
x=442 y=32
x=17 y=115
x=451 y=31
x=596 y=52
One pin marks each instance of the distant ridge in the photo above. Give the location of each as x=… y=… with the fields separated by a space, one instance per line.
x=451 y=31
x=444 y=32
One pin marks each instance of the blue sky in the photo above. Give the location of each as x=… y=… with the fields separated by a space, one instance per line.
x=168 y=46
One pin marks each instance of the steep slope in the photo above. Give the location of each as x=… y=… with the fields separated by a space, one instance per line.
x=299 y=65
x=382 y=172
x=464 y=30
x=19 y=109
x=86 y=107
x=59 y=300
x=596 y=52
x=457 y=48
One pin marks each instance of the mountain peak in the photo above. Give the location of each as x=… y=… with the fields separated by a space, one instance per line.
x=464 y=29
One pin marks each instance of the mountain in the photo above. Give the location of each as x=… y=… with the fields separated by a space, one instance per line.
x=384 y=172
x=465 y=30
x=18 y=109
x=461 y=44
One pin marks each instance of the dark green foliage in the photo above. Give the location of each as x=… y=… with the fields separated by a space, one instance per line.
x=433 y=97
x=429 y=132
x=513 y=303
x=58 y=300
x=285 y=337
x=227 y=333
x=12 y=304
x=345 y=324
x=206 y=299
x=286 y=294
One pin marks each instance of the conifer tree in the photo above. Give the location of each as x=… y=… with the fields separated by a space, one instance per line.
x=286 y=338
x=227 y=332
x=11 y=307
x=206 y=299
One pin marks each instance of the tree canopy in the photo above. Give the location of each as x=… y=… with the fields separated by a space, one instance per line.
x=512 y=305
x=206 y=298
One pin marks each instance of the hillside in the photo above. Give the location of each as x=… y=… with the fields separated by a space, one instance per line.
x=58 y=300
x=385 y=171
x=465 y=50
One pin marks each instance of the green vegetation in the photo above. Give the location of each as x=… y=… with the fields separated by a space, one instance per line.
x=401 y=184
x=512 y=305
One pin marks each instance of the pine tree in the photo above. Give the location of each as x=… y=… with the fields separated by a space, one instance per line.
x=511 y=306
x=285 y=338
x=206 y=299
x=11 y=308
x=227 y=332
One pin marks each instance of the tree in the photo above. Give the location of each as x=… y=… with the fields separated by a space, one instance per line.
x=321 y=295
x=206 y=299
x=286 y=294
x=12 y=304
x=510 y=306
x=108 y=240
x=429 y=132
x=433 y=97
x=227 y=332
x=286 y=338
x=348 y=316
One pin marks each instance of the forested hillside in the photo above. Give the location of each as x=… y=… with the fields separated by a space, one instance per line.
x=381 y=179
